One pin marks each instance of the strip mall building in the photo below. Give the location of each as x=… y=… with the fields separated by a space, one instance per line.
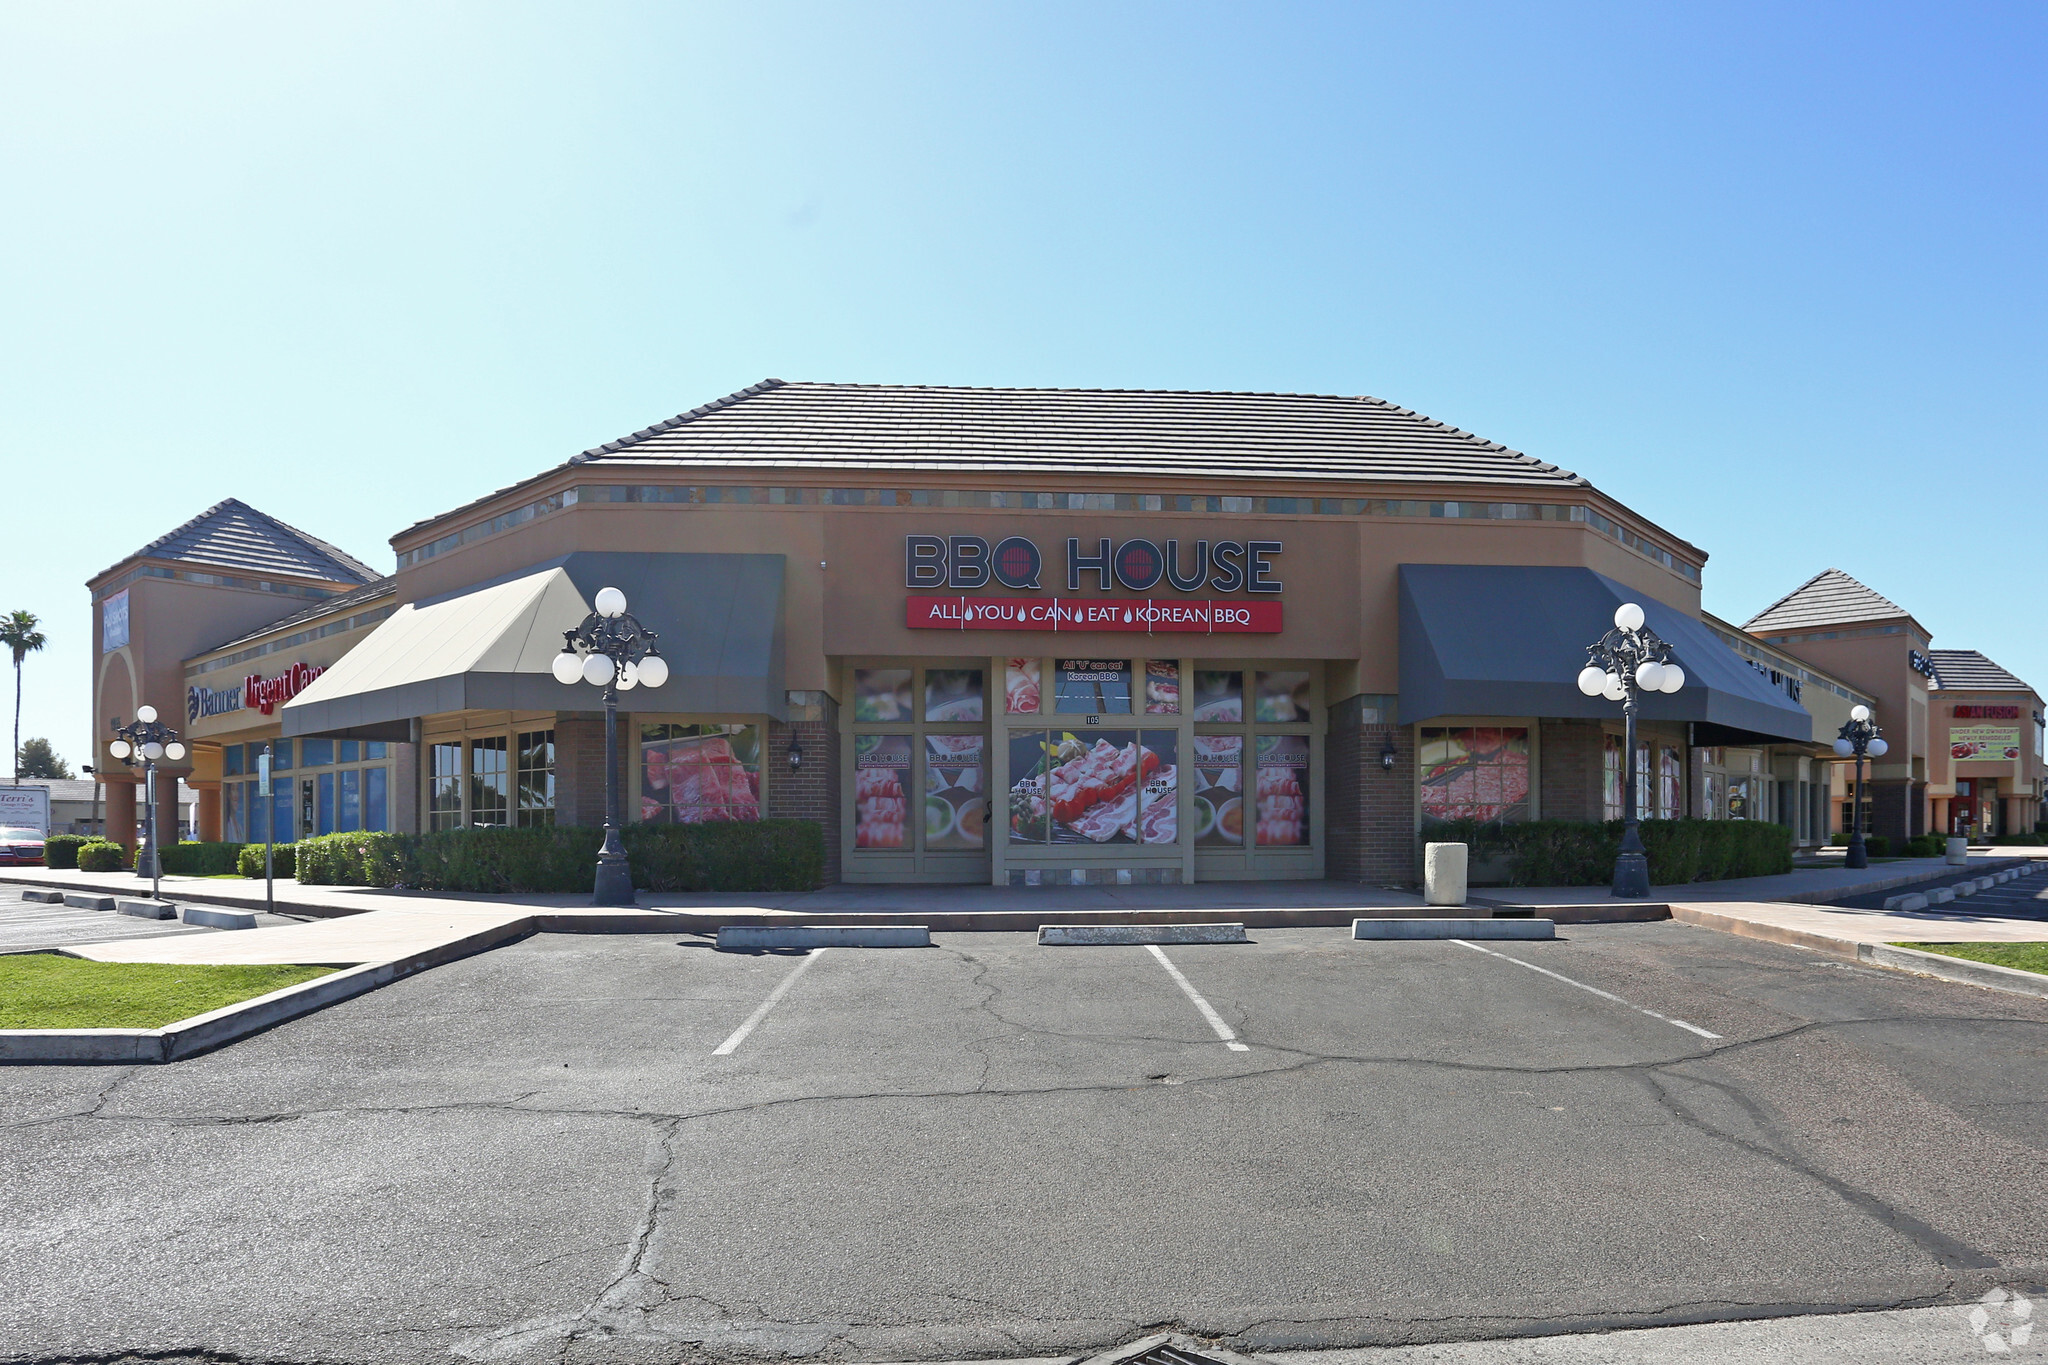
x=1028 y=637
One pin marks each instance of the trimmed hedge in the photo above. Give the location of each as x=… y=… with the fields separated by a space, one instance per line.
x=751 y=855
x=61 y=850
x=191 y=858
x=249 y=862
x=102 y=856
x=1582 y=852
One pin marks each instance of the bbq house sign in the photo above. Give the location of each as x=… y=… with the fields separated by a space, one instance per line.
x=1139 y=566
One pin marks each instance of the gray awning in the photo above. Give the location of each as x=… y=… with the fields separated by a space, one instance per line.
x=1495 y=640
x=490 y=647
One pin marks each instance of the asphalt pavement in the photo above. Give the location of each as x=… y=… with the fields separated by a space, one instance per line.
x=31 y=926
x=636 y=1149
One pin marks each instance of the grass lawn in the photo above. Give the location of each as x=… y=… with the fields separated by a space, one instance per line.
x=43 y=990
x=2028 y=957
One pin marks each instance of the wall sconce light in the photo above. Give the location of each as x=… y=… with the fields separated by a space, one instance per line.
x=796 y=755
x=1387 y=756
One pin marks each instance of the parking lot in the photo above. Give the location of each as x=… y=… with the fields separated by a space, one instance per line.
x=32 y=926
x=638 y=1148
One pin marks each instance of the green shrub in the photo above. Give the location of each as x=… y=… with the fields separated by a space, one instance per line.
x=190 y=858
x=754 y=855
x=1582 y=852
x=102 y=856
x=249 y=862
x=2022 y=840
x=1877 y=845
x=61 y=850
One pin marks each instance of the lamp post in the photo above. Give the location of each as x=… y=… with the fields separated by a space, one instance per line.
x=1858 y=736
x=151 y=741
x=614 y=651
x=1625 y=663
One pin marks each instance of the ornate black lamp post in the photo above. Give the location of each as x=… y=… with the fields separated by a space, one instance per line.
x=614 y=651
x=1627 y=662
x=1858 y=736
x=144 y=737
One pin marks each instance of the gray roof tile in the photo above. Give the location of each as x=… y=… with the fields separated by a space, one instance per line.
x=234 y=535
x=1829 y=598
x=1967 y=669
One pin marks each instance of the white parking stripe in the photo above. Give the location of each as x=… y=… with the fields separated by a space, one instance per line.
x=739 y=1035
x=1555 y=976
x=1208 y=1011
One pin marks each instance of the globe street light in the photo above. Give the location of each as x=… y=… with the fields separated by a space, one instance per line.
x=614 y=651
x=1858 y=736
x=144 y=738
x=1627 y=662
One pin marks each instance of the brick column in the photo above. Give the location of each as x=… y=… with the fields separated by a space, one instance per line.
x=811 y=792
x=1369 y=815
x=579 y=771
x=1572 y=770
x=1888 y=809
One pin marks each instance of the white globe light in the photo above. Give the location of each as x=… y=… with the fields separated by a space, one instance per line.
x=174 y=752
x=597 y=670
x=568 y=667
x=629 y=676
x=1673 y=679
x=1628 y=616
x=1650 y=676
x=120 y=748
x=145 y=713
x=1843 y=748
x=1592 y=681
x=653 y=671
x=1612 y=689
x=152 y=751
x=1859 y=713
x=1878 y=748
x=611 y=602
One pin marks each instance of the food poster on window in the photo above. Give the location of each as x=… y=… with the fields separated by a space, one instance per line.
x=1162 y=687
x=1219 y=791
x=955 y=794
x=1670 y=785
x=1478 y=774
x=881 y=694
x=1071 y=789
x=1092 y=687
x=881 y=791
x=1020 y=686
x=1282 y=698
x=700 y=773
x=1219 y=696
x=1977 y=743
x=952 y=694
x=1282 y=791
x=1159 y=794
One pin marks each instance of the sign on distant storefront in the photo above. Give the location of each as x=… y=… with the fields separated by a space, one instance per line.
x=257 y=693
x=1983 y=742
x=114 y=622
x=25 y=808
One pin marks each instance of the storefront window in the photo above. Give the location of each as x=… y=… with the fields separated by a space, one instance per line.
x=691 y=774
x=445 y=793
x=955 y=791
x=490 y=781
x=324 y=785
x=1109 y=787
x=881 y=694
x=1162 y=687
x=280 y=755
x=234 y=811
x=349 y=781
x=1610 y=777
x=1219 y=696
x=1020 y=687
x=1282 y=791
x=1092 y=687
x=1670 y=785
x=881 y=791
x=1475 y=773
x=280 y=830
x=376 y=801
x=231 y=761
x=953 y=694
x=316 y=753
x=536 y=778
x=1282 y=698
x=1219 y=790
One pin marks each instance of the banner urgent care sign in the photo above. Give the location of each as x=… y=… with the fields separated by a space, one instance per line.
x=1227 y=566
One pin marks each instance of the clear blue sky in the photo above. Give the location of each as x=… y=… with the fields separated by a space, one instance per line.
x=1772 y=275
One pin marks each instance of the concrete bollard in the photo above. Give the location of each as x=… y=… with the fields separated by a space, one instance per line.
x=1443 y=874
x=1958 y=851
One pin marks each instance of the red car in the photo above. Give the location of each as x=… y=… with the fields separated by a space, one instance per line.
x=20 y=846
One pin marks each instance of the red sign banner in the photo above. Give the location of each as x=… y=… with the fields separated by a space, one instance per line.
x=1135 y=615
x=267 y=694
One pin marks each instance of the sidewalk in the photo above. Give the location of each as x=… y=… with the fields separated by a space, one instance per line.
x=1803 y=886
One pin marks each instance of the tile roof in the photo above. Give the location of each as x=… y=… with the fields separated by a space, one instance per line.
x=1829 y=598
x=1966 y=668
x=905 y=427
x=234 y=535
x=331 y=606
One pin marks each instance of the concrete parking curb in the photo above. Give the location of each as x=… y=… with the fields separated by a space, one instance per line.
x=144 y=909
x=214 y=918
x=1770 y=933
x=1987 y=974
x=80 y=900
x=44 y=897
x=1388 y=929
x=744 y=937
x=1165 y=935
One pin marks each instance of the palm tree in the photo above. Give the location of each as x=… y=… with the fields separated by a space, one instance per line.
x=18 y=632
